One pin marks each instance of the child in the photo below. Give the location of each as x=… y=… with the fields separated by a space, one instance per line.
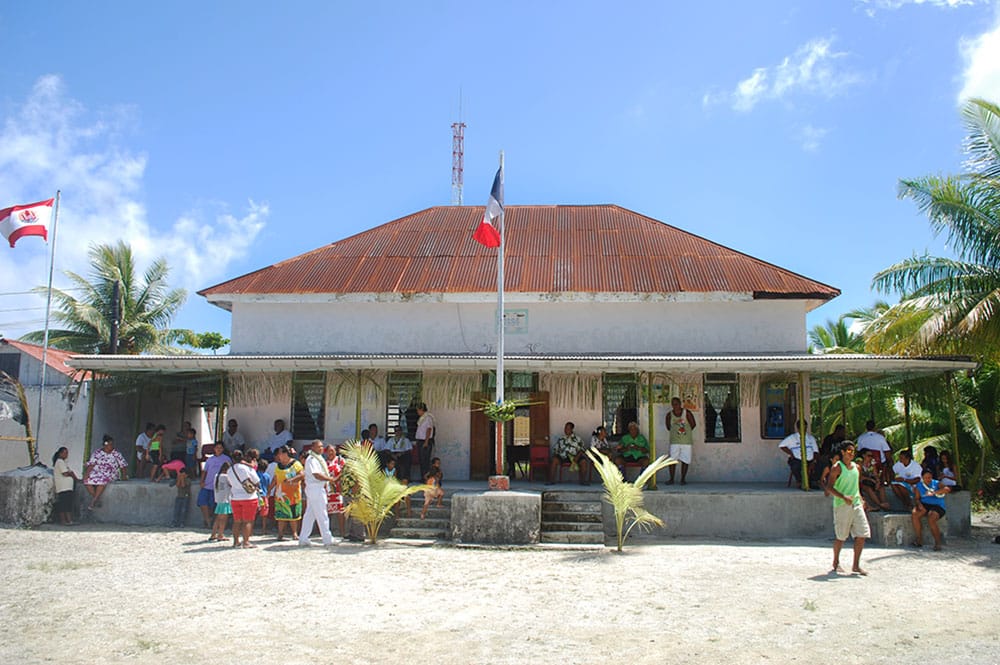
x=223 y=509
x=183 y=499
x=191 y=451
x=871 y=487
x=390 y=468
x=436 y=492
x=824 y=480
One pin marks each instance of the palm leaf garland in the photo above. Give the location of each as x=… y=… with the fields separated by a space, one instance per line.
x=626 y=498
x=373 y=494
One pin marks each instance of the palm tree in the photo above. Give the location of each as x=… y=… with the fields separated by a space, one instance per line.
x=625 y=497
x=948 y=304
x=146 y=306
x=835 y=337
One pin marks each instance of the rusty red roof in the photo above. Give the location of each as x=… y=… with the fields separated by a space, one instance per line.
x=55 y=358
x=549 y=249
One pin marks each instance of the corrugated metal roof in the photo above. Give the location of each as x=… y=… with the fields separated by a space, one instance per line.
x=550 y=249
x=55 y=358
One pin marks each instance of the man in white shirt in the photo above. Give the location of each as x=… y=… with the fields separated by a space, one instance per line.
x=873 y=440
x=231 y=438
x=401 y=450
x=906 y=474
x=378 y=444
x=281 y=436
x=426 y=430
x=316 y=479
x=791 y=445
x=142 y=443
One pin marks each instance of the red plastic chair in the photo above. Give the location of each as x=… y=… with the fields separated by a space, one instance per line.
x=538 y=457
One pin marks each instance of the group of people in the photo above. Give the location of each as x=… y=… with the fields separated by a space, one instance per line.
x=632 y=449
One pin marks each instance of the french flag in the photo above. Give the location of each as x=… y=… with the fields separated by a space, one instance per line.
x=486 y=233
x=31 y=219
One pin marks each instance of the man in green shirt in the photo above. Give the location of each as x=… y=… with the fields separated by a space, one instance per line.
x=849 y=518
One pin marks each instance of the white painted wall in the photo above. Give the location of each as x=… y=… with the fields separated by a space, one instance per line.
x=553 y=327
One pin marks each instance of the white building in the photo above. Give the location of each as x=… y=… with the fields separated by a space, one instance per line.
x=608 y=314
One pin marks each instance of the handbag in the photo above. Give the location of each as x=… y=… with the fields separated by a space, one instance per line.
x=249 y=486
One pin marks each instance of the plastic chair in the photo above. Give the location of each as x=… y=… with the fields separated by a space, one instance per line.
x=538 y=457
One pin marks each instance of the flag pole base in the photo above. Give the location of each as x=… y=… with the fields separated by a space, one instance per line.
x=499 y=483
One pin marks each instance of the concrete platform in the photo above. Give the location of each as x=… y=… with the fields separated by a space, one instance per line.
x=496 y=518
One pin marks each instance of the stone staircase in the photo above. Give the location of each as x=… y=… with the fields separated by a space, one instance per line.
x=436 y=526
x=572 y=518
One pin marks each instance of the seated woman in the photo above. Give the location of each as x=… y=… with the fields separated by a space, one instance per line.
x=634 y=446
x=569 y=450
x=928 y=498
x=949 y=478
x=871 y=486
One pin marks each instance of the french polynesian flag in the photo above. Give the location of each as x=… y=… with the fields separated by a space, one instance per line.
x=31 y=219
x=486 y=233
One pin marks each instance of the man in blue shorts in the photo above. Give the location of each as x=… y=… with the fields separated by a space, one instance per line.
x=206 y=495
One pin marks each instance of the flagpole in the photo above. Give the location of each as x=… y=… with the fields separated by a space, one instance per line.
x=500 y=386
x=45 y=343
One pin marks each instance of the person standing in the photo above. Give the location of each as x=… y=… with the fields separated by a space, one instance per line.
x=425 y=437
x=849 y=518
x=244 y=484
x=104 y=467
x=183 y=498
x=63 y=477
x=287 y=482
x=316 y=482
x=680 y=424
x=206 y=494
x=156 y=451
x=142 y=449
x=871 y=439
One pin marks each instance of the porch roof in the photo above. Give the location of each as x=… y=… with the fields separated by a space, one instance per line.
x=858 y=366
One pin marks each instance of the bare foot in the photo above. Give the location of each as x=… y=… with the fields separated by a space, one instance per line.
x=859 y=571
x=837 y=569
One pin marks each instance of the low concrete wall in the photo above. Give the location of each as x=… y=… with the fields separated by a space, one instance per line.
x=496 y=518
x=138 y=502
x=26 y=501
x=724 y=514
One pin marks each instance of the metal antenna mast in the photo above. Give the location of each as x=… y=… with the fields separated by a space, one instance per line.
x=457 y=155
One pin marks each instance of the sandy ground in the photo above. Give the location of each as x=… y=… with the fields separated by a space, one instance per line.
x=91 y=594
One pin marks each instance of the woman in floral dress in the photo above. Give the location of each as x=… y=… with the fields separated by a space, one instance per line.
x=104 y=467
x=335 y=499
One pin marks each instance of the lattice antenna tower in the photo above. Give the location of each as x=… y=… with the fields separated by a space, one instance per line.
x=457 y=156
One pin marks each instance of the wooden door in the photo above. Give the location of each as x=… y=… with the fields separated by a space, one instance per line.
x=480 y=440
x=539 y=414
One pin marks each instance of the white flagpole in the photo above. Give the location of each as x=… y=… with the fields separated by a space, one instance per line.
x=45 y=344
x=500 y=386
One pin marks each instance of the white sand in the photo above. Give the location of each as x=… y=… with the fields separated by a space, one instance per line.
x=91 y=594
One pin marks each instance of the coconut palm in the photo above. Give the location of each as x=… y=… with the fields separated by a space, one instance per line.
x=146 y=306
x=949 y=304
x=625 y=497
x=835 y=337
x=373 y=493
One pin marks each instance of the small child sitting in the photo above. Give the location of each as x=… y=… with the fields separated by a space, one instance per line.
x=436 y=493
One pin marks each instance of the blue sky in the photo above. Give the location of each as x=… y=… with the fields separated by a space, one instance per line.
x=226 y=136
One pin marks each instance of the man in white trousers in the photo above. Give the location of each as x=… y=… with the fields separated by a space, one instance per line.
x=316 y=478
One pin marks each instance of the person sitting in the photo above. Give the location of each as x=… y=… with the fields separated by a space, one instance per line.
x=401 y=450
x=906 y=474
x=872 y=488
x=569 y=450
x=872 y=439
x=791 y=445
x=434 y=477
x=948 y=476
x=931 y=461
x=928 y=498
x=634 y=447
x=600 y=442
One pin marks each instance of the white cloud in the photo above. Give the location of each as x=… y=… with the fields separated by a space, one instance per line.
x=811 y=137
x=896 y=4
x=981 y=77
x=51 y=141
x=813 y=69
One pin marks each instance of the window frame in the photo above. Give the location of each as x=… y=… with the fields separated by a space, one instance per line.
x=630 y=380
x=720 y=379
x=402 y=379
x=307 y=379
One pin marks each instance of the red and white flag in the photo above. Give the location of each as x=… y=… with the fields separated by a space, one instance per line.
x=487 y=233
x=31 y=219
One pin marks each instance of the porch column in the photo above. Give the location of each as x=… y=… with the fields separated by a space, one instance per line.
x=800 y=398
x=136 y=428
x=652 y=426
x=220 y=409
x=89 y=431
x=950 y=378
x=906 y=418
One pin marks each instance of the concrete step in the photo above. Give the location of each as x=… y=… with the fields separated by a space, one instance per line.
x=418 y=498
x=588 y=507
x=432 y=513
x=417 y=523
x=570 y=516
x=573 y=537
x=896 y=529
x=569 y=495
x=419 y=534
x=572 y=526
